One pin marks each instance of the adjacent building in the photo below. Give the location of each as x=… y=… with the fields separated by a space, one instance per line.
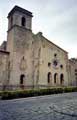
x=73 y=72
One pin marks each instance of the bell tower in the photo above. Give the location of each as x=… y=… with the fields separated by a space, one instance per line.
x=19 y=24
x=19 y=44
x=20 y=17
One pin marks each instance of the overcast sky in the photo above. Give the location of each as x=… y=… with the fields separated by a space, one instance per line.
x=57 y=19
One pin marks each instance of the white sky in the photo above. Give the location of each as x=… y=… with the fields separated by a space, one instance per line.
x=57 y=19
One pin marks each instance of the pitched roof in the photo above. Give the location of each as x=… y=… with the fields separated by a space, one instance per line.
x=40 y=33
x=17 y=8
x=56 y=45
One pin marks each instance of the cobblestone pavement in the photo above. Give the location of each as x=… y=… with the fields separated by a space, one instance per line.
x=51 y=107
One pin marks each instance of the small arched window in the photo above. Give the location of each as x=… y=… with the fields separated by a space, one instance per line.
x=61 y=79
x=61 y=66
x=55 y=55
x=49 y=77
x=55 y=77
x=49 y=64
x=23 y=21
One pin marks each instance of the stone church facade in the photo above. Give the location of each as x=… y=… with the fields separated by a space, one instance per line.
x=29 y=60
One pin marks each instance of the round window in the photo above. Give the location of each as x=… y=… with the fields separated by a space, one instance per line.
x=55 y=62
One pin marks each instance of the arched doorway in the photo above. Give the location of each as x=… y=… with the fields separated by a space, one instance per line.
x=22 y=77
x=61 y=79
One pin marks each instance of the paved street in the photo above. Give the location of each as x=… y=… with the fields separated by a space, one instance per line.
x=52 y=107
